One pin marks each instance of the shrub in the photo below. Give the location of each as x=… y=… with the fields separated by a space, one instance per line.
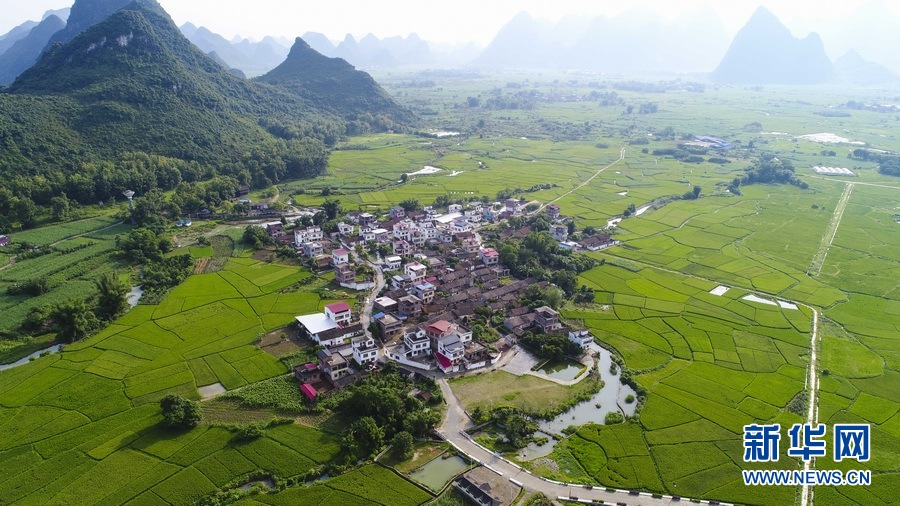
x=613 y=417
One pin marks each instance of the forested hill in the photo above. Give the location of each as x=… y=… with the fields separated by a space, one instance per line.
x=133 y=84
x=338 y=86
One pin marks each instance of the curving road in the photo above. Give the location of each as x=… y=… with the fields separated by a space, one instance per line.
x=457 y=420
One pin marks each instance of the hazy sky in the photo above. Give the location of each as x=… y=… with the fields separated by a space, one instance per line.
x=450 y=21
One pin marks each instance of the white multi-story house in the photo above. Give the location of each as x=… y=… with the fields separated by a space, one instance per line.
x=381 y=235
x=417 y=343
x=340 y=312
x=308 y=234
x=454 y=208
x=582 y=338
x=392 y=263
x=416 y=272
x=346 y=228
x=364 y=350
x=340 y=256
x=490 y=256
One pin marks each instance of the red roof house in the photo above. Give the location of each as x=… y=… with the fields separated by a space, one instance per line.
x=309 y=391
x=338 y=307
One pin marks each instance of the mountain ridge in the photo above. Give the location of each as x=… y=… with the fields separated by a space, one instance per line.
x=765 y=52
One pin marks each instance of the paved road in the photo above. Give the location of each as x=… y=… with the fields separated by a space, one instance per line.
x=457 y=420
x=365 y=315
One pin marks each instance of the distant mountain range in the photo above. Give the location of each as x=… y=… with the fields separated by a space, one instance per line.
x=763 y=52
x=632 y=41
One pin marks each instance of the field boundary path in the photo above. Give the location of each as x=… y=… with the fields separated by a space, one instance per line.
x=813 y=389
x=456 y=421
x=818 y=261
x=582 y=185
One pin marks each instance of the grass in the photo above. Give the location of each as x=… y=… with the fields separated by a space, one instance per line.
x=500 y=388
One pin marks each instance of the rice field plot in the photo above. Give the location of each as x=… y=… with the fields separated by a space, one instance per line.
x=54 y=233
x=90 y=415
x=707 y=367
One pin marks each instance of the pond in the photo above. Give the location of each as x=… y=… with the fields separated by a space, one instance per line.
x=565 y=370
x=49 y=351
x=134 y=296
x=210 y=391
x=610 y=398
x=439 y=472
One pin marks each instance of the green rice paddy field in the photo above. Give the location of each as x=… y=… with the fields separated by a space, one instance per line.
x=83 y=426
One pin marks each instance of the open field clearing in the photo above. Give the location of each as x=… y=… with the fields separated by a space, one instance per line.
x=89 y=416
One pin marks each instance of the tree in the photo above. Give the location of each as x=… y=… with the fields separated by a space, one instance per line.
x=256 y=236
x=112 y=298
x=180 y=413
x=404 y=178
x=60 y=205
x=570 y=227
x=143 y=245
x=402 y=445
x=150 y=209
x=332 y=208
x=410 y=205
x=74 y=320
x=367 y=435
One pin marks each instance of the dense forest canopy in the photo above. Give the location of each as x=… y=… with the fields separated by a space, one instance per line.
x=130 y=103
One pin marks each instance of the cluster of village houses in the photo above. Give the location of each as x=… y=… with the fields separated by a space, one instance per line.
x=425 y=309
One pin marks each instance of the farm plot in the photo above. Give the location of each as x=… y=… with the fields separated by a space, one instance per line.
x=89 y=415
x=719 y=240
x=70 y=268
x=709 y=365
x=368 y=485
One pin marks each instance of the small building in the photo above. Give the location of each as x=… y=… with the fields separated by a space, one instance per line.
x=512 y=205
x=546 y=319
x=364 y=350
x=333 y=365
x=366 y=219
x=275 y=229
x=559 y=232
x=344 y=274
x=309 y=391
x=582 y=338
x=340 y=256
x=339 y=312
x=424 y=291
x=417 y=343
x=402 y=248
x=386 y=304
x=599 y=242
x=392 y=263
x=454 y=208
x=307 y=373
x=416 y=272
x=397 y=212
x=409 y=305
x=490 y=256
x=345 y=228
x=313 y=249
x=4 y=241
x=553 y=212
x=381 y=235
x=332 y=327
x=390 y=325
